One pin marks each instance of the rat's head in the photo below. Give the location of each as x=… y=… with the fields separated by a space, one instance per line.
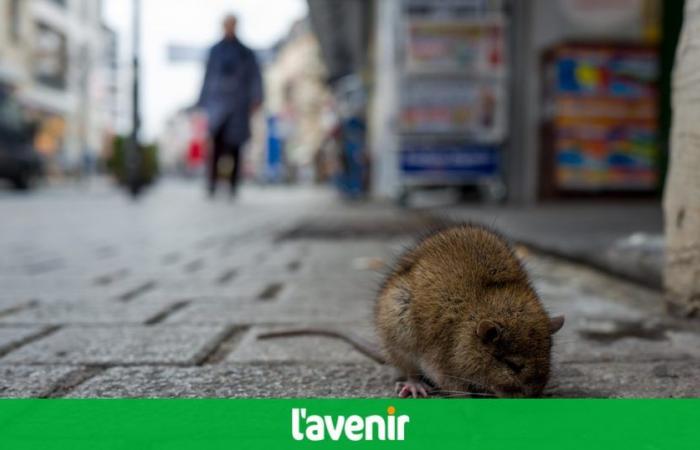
x=509 y=355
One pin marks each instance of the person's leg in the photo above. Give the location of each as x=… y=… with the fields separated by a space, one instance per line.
x=214 y=158
x=235 y=151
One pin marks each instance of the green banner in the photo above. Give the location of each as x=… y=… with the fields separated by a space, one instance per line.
x=273 y=424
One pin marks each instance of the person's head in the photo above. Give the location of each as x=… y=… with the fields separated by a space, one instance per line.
x=230 y=22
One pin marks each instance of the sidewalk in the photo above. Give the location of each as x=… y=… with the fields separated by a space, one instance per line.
x=625 y=238
x=165 y=297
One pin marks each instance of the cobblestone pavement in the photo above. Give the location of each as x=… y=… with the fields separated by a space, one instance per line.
x=102 y=297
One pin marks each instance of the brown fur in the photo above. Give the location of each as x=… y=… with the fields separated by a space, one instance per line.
x=459 y=310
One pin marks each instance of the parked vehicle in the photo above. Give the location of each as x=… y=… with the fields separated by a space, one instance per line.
x=19 y=161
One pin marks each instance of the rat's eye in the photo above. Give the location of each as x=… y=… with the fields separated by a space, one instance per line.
x=514 y=366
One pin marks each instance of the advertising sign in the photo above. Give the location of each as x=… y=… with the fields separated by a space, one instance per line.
x=605 y=118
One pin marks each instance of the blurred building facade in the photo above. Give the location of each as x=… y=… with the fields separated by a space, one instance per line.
x=179 y=135
x=286 y=134
x=449 y=81
x=59 y=59
x=298 y=100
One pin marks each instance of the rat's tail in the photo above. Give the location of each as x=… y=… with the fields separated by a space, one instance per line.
x=364 y=346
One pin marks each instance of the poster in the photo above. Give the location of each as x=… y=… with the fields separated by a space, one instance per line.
x=476 y=110
x=467 y=46
x=605 y=118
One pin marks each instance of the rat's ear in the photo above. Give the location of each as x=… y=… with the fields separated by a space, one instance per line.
x=555 y=324
x=488 y=331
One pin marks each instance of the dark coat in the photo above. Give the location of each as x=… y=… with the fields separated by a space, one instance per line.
x=232 y=86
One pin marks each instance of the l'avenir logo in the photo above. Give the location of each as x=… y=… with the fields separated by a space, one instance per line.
x=313 y=427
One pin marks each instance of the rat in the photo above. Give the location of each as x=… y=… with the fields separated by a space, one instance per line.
x=458 y=310
x=458 y=316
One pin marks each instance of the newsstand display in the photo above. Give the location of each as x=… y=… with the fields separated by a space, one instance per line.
x=453 y=106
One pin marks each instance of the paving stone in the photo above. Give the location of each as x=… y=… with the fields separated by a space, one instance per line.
x=89 y=312
x=297 y=348
x=605 y=340
x=29 y=381
x=606 y=328
x=120 y=345
x=322 y=258
x=362 y=222
x=228 y=311
x=243 y=380
x=13 y=303
x=272 y=259
x=626 y=380
x=260 y=313
x=341 y=258
x=580 y=306
x=242 y=288
x=568 y=281
x=335 y=287
x=11 y=336
x=59 y=292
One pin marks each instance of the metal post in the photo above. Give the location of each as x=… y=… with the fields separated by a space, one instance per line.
x=134 y=156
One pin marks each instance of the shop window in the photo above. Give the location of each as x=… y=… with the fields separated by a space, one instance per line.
x=15 y=18
x=50 y=57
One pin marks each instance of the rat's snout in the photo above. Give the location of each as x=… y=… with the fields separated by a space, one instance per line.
x=534 y=385
x=516 y=391
x=534 y=391
x=509 y=391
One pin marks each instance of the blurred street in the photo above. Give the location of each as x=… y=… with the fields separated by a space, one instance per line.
x=103 y=297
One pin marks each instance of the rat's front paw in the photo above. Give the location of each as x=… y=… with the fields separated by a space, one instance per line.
x=412 y=388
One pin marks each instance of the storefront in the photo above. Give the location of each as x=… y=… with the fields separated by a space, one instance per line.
x=588 y=100
x=476 y=92
x=600 y=101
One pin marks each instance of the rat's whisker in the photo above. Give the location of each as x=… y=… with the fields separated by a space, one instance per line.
x=466 y=380
x=465 y=394
x=452 y=396
x=456 y=378
x=455 y=393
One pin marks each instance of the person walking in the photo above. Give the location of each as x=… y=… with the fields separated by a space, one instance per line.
x=231 y=94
